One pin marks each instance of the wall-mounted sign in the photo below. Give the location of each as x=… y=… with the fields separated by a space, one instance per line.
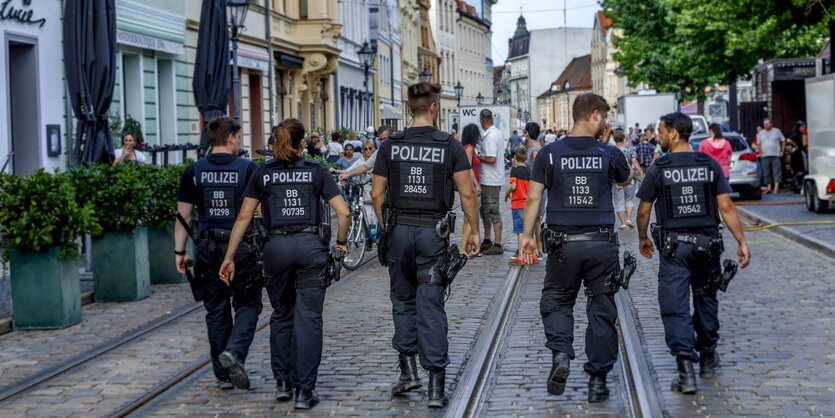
x=19 y=15
x=148 y=42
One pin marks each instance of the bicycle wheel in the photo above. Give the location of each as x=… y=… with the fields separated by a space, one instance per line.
x=356 y=243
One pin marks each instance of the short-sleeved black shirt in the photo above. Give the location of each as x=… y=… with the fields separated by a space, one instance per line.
x=188 y=187
x=651 y=189
x=618 y=173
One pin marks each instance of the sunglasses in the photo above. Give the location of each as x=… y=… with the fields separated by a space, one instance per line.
x=368 y=149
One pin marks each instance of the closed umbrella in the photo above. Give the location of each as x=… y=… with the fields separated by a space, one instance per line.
x=211 y=67
x=90 y=67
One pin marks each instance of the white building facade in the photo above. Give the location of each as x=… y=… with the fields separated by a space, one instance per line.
x=352 y=102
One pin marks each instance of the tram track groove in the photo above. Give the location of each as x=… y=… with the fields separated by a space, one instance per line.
x=639 y=394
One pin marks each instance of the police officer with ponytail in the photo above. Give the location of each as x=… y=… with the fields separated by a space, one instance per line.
x=690 y=191
x=413 y=178
x=216 y=185
x=578 y=172
x=294 y=195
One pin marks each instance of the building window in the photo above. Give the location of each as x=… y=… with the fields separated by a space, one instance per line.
x=132 y=91
x=302 y=9
x=166 y=102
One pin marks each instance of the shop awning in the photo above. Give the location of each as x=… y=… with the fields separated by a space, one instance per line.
x=389 y=112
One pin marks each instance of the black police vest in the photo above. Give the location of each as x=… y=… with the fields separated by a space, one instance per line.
x=418 y=176
x=687 y=199
x=580 y=192
x=293 y=200
x=220 y=191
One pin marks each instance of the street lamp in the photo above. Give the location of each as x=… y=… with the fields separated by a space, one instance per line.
x=425 y=75
x=459 y=90
x=237 y=17
x=366 y=54
x=479 y=99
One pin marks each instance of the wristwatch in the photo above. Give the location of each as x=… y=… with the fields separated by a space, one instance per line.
x=180 y=252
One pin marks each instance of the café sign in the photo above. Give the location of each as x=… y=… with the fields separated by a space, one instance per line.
x=19 y=15
x=148 y=42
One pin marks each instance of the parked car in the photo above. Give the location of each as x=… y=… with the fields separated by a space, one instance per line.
x=699 y=124
x=745 y=172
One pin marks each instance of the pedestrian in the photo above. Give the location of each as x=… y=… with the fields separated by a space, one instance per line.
x=370 y=133
x=550 y=137
x=354 y=139
x=582 y=245
x=470 y=139
x=492 y=179
x=216 y=185
x=514 y=142
x=718 y=148
x=314 y=147
x=645 y=152
x=689 y=191
x=517 y=193
x=797 y=162
x=772 y=147
x=289 y=190
x=624 y=196
x=413 y=175
x=348 y=157
x=368 y=164
x=334 y=148
x=128 y=152
x=532 y=132
x=755 y=145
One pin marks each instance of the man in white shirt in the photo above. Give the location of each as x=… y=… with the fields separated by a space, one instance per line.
x=772 y=145
x=492 y=178
x=550 y=137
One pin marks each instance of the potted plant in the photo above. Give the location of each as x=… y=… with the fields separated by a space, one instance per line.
x=164 y=181
x=40 y=221
x=120 y=198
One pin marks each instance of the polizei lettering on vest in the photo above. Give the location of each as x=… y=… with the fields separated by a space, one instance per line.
x=581 y=163
x=219 y=177
x=417 y=153
x=688 y=175
x=289 y=177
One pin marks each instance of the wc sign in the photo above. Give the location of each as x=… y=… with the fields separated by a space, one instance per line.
x=501 y=117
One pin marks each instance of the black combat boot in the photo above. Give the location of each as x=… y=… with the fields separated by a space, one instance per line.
x=437 y=397
x=598 y=392
x=708 y=362
x=306 y=399
x=685 y=382
x=284 y=391
x=237 y=372
x=559 y=373
x=409 y=379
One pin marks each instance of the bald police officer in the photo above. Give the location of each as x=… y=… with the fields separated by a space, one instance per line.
x=689 y=191
x=216 y=185
x=578 y=173
x=413 y=176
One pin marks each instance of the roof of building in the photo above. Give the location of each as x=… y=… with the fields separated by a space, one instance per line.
x=520 y=42
x=604 y=22
x=576 y=76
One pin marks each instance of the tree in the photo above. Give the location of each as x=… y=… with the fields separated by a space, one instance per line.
x=686 y=45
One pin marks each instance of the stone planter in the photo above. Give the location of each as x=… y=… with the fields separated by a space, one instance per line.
x=161 y=256
x=120 y=266
x=45 y=290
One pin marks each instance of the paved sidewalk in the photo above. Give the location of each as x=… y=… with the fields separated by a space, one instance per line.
x=778 y=330
x=519 y=383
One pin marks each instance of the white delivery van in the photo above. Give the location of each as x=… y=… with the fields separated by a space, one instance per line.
x=819 y=184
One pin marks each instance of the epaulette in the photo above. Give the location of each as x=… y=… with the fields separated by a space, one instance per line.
x=441 y=136
x=311 y=163
x=702 y=157
x=664 y=160
x=398 y=135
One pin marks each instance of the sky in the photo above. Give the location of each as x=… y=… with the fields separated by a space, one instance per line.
x=539 y=14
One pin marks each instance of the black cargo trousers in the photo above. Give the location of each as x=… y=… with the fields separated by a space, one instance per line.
x=242 y=295
x=586 y=262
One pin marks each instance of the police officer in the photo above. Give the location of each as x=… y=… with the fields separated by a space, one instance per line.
x=578 y=173
x=216 y=185
x=414 y=174
x=689 y=191
x=293 y=193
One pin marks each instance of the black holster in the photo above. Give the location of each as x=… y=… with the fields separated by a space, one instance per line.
x=198 y=290
x=385 y=232
x=553 y=242
x=333 y=270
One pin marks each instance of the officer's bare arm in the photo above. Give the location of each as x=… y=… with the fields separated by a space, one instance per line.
x=628 y=180
x=644 y=211
x=378 y=196
x=343 y=217
x=731 y=218
x=241 y=224
x=535 y=190
x=466 y=191
x=180 y=233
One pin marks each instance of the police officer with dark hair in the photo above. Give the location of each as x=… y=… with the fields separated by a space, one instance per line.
x=295 y=196
x=216 y=185
x=413 y=179
x=579 y=238
x=689 y=191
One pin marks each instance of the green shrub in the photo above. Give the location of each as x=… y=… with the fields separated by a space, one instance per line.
x=164 y=182
x=40 y=212
x=120 y=196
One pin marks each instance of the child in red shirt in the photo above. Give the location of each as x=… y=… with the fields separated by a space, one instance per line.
x=517 y=193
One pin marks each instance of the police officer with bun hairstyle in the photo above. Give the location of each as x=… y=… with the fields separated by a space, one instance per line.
x=578 y=173
x=216 y=185
x=690 y=191
x=413 y=197
x=295 y=196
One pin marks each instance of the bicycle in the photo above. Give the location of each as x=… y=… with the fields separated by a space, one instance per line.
x=360 y=235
